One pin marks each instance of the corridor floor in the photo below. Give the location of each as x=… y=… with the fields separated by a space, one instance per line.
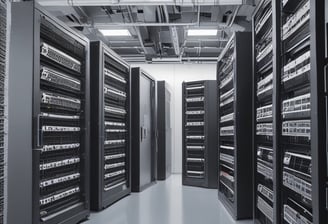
x=167 y=202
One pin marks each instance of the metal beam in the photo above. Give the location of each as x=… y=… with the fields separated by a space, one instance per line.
x=173 y=32
x=143 y=2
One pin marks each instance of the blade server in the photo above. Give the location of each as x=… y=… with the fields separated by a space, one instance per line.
x=263 y=126
x=110 y=124
x=144 y=136
x=200 y=134
x=52 y=110
x=3 y=112
x=234 y=73
x=164 y=130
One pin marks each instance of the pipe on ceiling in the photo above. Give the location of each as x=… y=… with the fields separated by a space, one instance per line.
x=143 y=2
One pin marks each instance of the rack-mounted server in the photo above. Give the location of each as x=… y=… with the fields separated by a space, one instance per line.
x=234 y=72
x=263 y=113
x=144 y=126
x=110 y=178
x=199 y=133
x=3 y=108
x=164 y=131
x=48 y=164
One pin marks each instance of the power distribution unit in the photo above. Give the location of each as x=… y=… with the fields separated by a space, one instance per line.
x=164 y=129
x=199 y=133
x=110 y=127
x=234 y=77
x=48 y=160
x=144 y=143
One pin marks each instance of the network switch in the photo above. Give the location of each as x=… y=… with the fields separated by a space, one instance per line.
x=56 y=164
x=228 y=117
x=60 y=57
x=264 y=52
x=291 y=216
x=51 y=148
x=57 y=196
x=300 y=162
x=265 y=153
x=264 y=129
x=114 y=76
x=111 y=123
x=265 y=84
x=115 y=130
x=299 y=106
x=195 y=99
x=265 y=208
x=195 y=160
x=226 y=95
x=264 y=113
x=194 y=147
x=297 y=128
x=58 y=78
x=227 y=158
x=264 y=169
x=59 y=100
x=226 y=80
x=265 y=17
x=109 y=89
x=227 y=131
x=114 y=165
x=115 y=156
x=296 y=21
x=58 y=180
x=297 y=67
x=195 y=112
x=292 y=180
x=266 y=192
x=49 y=128
x=231 y=148
x=60 y=116
x=195 y=137
x=115 y=110
x=200 y=123
x=114 y=174
x=195 y=87
x=114 y=142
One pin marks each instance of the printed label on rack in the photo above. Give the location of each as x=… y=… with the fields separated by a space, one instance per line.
x=60 y=129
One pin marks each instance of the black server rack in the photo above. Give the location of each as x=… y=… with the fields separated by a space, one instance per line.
x=199 y=132
x=48 y=164
x=164 y=131
x=144 y=140
x=234 y=78
x=110 y=178
x=294 y=142
x=264 y=201
x=3 y=114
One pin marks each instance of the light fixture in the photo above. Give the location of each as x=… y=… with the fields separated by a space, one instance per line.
x=116 y=33
x=202 y=32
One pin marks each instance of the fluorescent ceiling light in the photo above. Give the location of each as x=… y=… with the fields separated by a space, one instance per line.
x=116 y=33
x=202 y=32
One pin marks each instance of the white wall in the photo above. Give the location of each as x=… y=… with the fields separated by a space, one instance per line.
x=174 y=75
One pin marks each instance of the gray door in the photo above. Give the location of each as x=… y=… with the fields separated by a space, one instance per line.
x=146 y=131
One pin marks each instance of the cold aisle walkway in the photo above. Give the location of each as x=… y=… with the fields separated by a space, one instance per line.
x=167 y=202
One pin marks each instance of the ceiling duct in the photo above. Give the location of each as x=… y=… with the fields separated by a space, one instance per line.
x=143 y=2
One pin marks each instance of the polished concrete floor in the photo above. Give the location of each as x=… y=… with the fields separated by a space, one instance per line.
x=167 y=202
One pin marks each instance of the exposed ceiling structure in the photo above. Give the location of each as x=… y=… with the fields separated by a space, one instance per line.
x=157 y=29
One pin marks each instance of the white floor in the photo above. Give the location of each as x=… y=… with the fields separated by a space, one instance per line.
x=167 y=202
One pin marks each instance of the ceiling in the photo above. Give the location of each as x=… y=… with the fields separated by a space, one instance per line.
x=158 y=28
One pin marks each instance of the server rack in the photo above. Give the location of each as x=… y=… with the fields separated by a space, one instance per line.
x=110 y=127
x=144 y=140
x=48 y=167
x=3 y=109
x=199 y=131
x=164 y=131
x=234 y=77
x=265 y=197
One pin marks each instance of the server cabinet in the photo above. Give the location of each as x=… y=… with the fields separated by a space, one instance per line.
x=164 y=131
x=264 y=99
x=48 y=167
x=144 y=145
x=110 y=127
x=234 y=77
x=199 y=132
x=3 y=109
